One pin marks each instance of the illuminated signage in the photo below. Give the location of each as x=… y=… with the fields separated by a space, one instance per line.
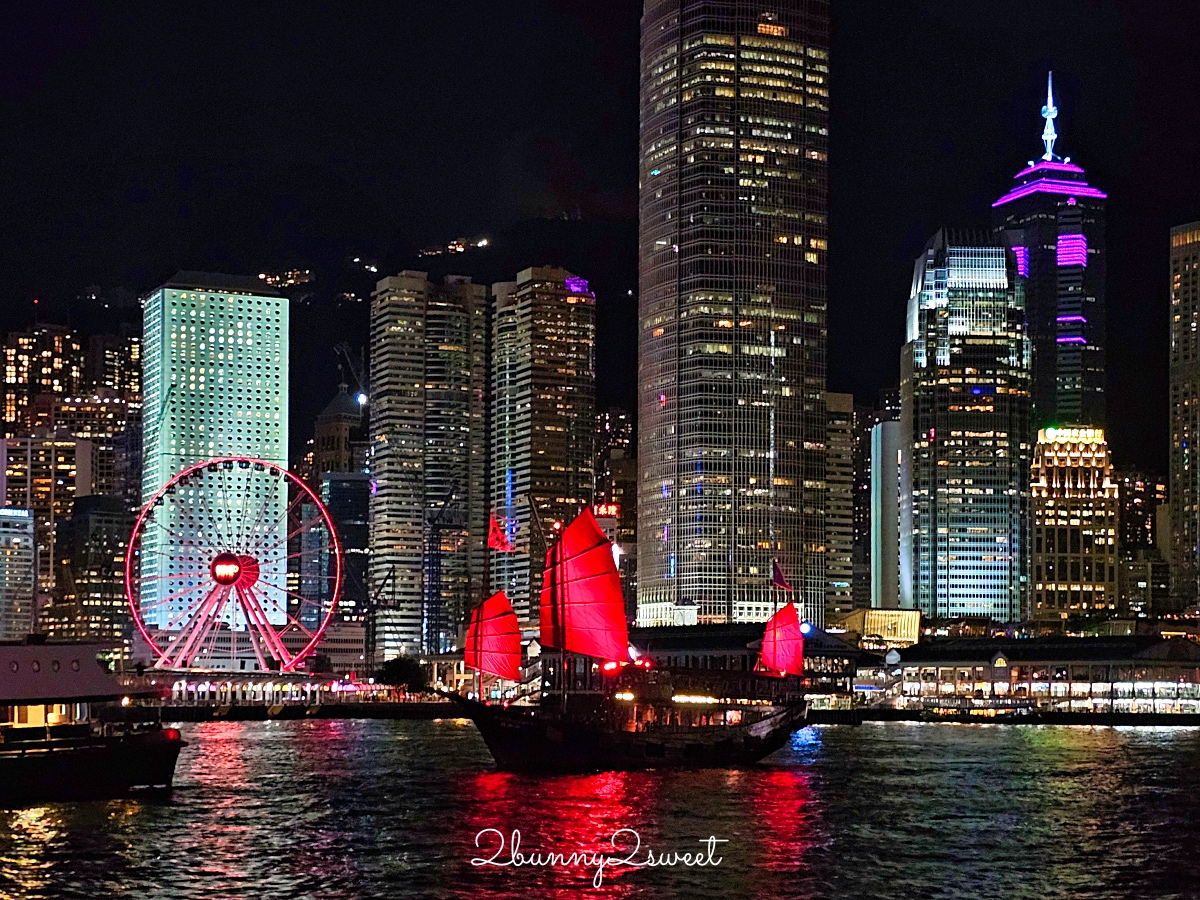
x=606 y=510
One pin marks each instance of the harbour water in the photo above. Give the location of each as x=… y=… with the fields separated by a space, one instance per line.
x=365 y=809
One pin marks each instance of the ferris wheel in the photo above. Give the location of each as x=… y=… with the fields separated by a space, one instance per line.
x=233 y=565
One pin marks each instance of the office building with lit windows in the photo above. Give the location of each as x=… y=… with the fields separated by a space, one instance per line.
x=1054 y=222
x=428 y=514
x=90 y=604
x=1184 y=484
x=17 y=579
x=1074 y=521
x=965 y=450
x=542 y=432
x=216 y=384
x=45 y=474
x=733 y=234
x=839 y=504
x=46 y=359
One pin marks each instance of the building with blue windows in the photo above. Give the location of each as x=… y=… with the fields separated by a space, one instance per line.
x=965 y=444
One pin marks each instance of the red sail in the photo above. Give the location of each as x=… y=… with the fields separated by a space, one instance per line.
x=494 y=639
x=783 y=644
x=583 y=608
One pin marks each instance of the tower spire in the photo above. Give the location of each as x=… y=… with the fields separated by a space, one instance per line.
x=1049 y=113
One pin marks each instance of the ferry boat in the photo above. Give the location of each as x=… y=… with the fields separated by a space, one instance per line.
x=50 y=749
x=601 y=709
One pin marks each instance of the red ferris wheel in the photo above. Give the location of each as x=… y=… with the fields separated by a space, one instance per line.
x=233 y=565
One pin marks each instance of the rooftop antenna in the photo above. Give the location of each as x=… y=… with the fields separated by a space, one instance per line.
x=1049 y=113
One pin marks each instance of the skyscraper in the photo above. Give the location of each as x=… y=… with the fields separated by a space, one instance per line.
x=16 y=574
x=542 y=433
x=216 y=384
x=90 y=572
x=45 y=474
x=45 y=359
x=428 y=511
x=839 y=504
x=1054 y=222
x=866 y=417
x=965 y=454
x=732 y=308
x=887 y=439
x=1185 y=411
x=1074 y=502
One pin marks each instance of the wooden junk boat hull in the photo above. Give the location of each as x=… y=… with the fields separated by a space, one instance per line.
x=526 y=739
x=90 y=767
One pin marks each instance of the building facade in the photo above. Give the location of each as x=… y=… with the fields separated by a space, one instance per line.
x=46 y=359
x=45 y=474
x=17 y=576
x=216 y=384
x=1185 y=412
x=732 y=308
x=428 y=511
x=866 y=417
x=839 y=504
x=89 y=603
x=965 y=453
x=1075 y=517
x=542 y=432
x=1053 y=221
x=887 y=438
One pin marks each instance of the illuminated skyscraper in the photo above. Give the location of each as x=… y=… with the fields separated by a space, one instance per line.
x=216 y=384
x=89 y=565
x=732 y=308
x=47 y=359
x=887 y=438
x=542 y=438
x=1074 y=500
x=965 y=454
x=1054 y=222
x=16 y=574
x=427 y=508
x=45 y=474
x=1185 y=411
x=839 y=504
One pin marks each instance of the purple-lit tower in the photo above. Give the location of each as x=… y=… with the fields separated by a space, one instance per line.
x=1054 y=221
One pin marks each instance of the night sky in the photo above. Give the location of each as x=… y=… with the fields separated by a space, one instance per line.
x=138 y=139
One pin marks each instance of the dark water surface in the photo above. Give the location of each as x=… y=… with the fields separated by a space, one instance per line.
x=391 y=809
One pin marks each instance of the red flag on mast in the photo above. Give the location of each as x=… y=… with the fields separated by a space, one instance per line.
x=778 y=579
x=498 y=537
x=494 y=639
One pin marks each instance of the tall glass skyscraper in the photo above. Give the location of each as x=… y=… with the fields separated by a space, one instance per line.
x=1184 y=485
x=542 y=433
x=965 y=451
x=216 y=384
x=1054 y=222
x=427 y=506
x=732 y=308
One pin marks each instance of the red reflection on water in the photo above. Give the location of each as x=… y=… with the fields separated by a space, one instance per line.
x=219 y=758
x=781 y=802
x=565 y=814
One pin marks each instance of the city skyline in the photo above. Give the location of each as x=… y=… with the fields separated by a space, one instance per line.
x=1104 y=121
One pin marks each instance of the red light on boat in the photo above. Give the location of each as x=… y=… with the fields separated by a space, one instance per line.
x=171 y=734
x=610 y=666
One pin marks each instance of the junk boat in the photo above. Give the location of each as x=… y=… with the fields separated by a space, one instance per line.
x=600 y=708
x=49 y=747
